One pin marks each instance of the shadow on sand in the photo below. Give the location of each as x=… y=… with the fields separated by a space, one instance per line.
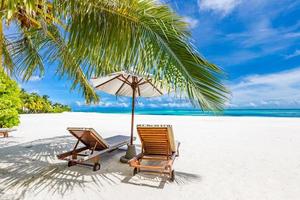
x=158 y=181
x=33 y=168
x=7 y=141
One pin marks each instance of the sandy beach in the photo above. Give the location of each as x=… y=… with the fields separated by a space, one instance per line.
x=228 y=158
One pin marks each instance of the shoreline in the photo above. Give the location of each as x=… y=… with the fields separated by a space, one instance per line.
x=164 y=115
x=293 y=113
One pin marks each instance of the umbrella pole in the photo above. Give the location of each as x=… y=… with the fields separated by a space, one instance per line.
x=132 y=115
x=131 y=152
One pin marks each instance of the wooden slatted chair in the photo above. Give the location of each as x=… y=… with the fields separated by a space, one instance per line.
x=158 y=144
x=4 y=131
x=94 y=146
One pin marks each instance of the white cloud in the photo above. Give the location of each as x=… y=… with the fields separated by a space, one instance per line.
x=281 y=79
x=178 y=105
x=153 y=105
x=295 y=54
x=191 y=21
x=35 y=78
x=106 y=104
x=261 y=32
x=220 y=6
x=167 y=101
x=258 y=40
x=79 y=103
x=237 y=57
x=111 y=104
x=252 y=37
x=281 y=89
x=175 y=104
x=140 y=104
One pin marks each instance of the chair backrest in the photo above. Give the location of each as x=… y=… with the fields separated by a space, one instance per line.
x=89 y=137
x=157 y=139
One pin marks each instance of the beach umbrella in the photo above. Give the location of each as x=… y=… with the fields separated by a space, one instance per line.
x=130 y=85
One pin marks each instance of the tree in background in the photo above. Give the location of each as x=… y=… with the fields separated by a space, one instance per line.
x=10 y=101
x=13 y=101
x=34 y=103
x=58 y=108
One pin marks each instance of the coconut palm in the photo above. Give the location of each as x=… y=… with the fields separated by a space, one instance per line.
x=96 y=37
x=33 y=39
x=145 y=35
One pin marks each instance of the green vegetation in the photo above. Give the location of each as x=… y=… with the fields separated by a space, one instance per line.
x=34 y=103
x=10 y=101
x=13 y=101
x=92 y=38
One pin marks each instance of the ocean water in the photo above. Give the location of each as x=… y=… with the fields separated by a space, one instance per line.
x=196 y=112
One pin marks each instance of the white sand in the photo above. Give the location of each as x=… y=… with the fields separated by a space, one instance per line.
x=221 y=158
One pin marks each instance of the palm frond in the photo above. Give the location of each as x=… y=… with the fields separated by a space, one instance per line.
x=24 y=51
x=29 y=13
x=102 y=36
x=8 y=62
x=145 y=35
x=55 y=50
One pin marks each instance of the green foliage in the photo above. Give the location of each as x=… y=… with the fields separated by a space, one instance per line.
x=96 y=37
x=34 y=103
x=13 y=101
x=58 y=108
x=146 y=35
x=10 y=101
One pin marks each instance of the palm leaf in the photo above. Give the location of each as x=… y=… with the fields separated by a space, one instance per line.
x=8 y=62
x=102 y=36
x=24 y=52
x=147 y=36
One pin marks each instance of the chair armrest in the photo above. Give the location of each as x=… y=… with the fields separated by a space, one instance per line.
x=135 y=159
x=178 y=145
x=170 y=162
x=173 y=156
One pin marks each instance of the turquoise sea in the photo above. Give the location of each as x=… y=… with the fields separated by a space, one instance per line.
x=195 y=112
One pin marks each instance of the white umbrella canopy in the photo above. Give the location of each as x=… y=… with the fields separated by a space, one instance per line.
x=122 y=83
x=130 y=85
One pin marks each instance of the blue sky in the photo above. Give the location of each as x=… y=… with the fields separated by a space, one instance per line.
x=256 y=42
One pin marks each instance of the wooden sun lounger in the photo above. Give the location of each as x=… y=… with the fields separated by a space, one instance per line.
x=4 y=131
x=94 y=146
x=158 y=144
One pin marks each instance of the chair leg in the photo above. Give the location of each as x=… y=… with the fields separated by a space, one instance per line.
x=172 y=176
x=96 y=167
x=135 y=171
x=96 y=161
x=4 y=134
x=74 y=156
x=71 y=163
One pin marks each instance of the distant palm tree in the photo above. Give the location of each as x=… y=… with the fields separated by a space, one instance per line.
x=96 y=37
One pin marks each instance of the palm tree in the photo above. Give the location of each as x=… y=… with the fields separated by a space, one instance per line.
x=96 y=37
x=34 y=39
x=146 y=35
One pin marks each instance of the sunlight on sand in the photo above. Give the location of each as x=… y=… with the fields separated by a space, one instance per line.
x=220 y=158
